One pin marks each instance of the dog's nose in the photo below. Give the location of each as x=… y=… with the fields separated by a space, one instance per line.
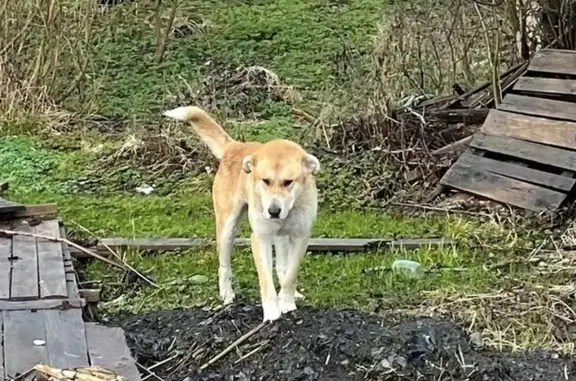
x=274 y=211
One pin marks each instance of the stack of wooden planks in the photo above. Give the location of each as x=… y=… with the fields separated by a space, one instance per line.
x=40 y=304
x=525 y=153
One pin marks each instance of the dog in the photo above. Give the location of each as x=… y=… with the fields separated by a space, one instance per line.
x=274 y=182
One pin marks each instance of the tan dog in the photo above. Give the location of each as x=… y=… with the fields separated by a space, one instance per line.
x=275 y=183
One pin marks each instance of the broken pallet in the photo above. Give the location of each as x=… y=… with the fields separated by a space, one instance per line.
x=525 y=153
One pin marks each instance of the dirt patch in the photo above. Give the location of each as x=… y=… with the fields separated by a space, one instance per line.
x=317 y=344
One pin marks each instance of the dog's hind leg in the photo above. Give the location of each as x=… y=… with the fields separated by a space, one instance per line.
x=282 y=250
x=226 y=228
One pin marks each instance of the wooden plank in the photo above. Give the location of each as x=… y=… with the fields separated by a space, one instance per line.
x=107 y=348
x=554 y=61
x=467 y=116
x=316 y=244
x=52 y=277
x=5 y=266
x=21 y=329
x=515 y=171
x=91 y=295
x=531 y=128
x=2 y=373
x=549 y=108
x=546 y=85
x=71 y=281
x=10 y=206
x=24 y=266
x=41 y=304
x=503 y=189
x=536 y=153
x=39 y=210
x=65 y=338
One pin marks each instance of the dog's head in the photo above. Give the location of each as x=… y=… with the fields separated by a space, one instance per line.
x=280 y=169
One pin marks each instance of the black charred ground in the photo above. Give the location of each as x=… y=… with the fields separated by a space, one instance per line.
x=324 y=344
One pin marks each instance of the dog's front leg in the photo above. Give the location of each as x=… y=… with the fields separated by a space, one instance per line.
x=282 y=249
x=298 y=246
x=262 y=251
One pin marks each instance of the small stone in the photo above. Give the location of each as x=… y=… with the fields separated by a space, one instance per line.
x=476 y=339
x=199 y=279
x=308 y=371
x=39 y=343
x=385 y=364
x=144 y=189
x=401 y=361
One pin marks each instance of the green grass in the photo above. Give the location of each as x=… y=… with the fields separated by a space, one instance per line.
x=328 y=280
x=300 y=40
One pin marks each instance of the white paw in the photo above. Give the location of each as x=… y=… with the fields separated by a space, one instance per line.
x=271 y=310
x=225 y=285
x=227 y=295
x=298 y=295
x=287 y=303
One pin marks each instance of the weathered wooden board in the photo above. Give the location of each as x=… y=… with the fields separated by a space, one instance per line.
x=500 y=188
x=315 y=244
x=52 y=277
x=2 y=373
x=24 y=265
x=38 y=210
x=9 y=206
x=5 y=266
x=518 y=172
x=531 y=128
x=71 y=280
x=536 y=106
x=536 y=153
x=107 y=348
x=21 y=329
x=546 y=85
x=554 y=61
x=41 y=304
x=65 y=338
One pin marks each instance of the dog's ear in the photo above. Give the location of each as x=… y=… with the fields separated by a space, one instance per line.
x=312 y=164
x=247 y=163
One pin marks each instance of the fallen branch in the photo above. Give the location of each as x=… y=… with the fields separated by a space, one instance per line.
x=234 y=345
x=453 y=146
x=116 y=255
x=12 y=233
x=437 y=209
x=262 y=345
x=303 y=115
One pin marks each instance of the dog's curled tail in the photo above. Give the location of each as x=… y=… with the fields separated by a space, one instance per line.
x=209 y=131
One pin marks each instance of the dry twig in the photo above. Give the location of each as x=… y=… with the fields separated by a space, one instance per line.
x=116 y=255
x=234 y=345
x=123 y=266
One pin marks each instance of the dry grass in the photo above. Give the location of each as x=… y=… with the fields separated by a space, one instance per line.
x=45 y=54
x=533 y=309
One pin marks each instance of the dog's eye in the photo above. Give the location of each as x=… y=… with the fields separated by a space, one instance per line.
x=287 y=183
x=266 y=181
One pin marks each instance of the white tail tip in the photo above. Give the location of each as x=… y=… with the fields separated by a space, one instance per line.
x=179 y=113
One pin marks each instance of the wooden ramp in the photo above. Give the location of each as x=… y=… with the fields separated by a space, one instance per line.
x=525 y=152
x=41 y=309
